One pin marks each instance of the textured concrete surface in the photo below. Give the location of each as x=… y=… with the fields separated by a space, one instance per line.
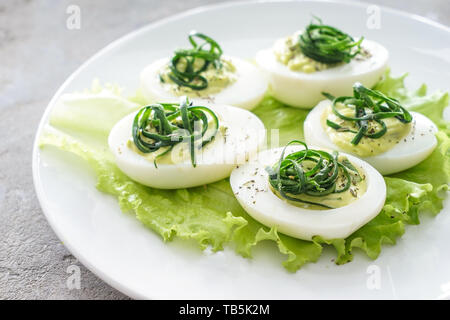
x=37 y=53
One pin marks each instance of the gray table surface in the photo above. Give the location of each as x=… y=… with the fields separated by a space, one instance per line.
x=37 y=53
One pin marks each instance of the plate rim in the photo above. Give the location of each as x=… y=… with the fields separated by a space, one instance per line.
x=124 y=289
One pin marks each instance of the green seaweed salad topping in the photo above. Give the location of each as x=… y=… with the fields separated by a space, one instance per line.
x=164 y=125
x=328 y=44
x=187 y=65
x=369 y=106
x=290 y=177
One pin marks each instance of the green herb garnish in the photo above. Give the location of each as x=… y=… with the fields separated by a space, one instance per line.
x=369 y=105
x=187 y=65
x=167 y=124
x=310 y=172
x=327 y=44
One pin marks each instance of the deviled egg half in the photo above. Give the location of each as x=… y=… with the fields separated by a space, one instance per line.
x=320 y=59
x=171 y=146
x=205 y=75
x=373 y=127
x=306 y=192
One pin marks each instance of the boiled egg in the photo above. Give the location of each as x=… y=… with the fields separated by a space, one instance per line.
x=245 y=90
x=239 y=136
x=303 y=87
x=251 y=186
x=405 y=151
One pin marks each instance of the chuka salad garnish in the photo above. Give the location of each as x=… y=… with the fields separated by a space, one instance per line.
x=369 y=105
x=327 y=44
x=166 y=124
x=184 y=70
x=290 y=176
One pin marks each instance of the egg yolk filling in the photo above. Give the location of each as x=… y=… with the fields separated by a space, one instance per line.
x=317 y=48
x=396 y=131
x=198 y=71
x=181 y=152
x=167 y=128
x=218 y=78
x=367 y=124
x=287 y=51
x=315 y=179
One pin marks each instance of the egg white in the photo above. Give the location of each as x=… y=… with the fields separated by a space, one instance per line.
x=215 y=161
x=246 y=92
x=250 y=184
x=413 y=149
x=304 y=90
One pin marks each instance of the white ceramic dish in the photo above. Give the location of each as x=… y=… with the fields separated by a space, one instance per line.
x=117 y=248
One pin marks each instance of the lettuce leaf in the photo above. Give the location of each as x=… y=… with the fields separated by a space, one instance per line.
x=436 y=168
x=91 y=114
x=411 y=192
x=432 y=105
x=285 y=122
x=403 y=203
x=211 y=216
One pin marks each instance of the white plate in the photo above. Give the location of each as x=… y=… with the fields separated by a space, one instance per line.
x=117 y=248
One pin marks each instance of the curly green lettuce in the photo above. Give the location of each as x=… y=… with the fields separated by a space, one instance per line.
x=211 y=216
